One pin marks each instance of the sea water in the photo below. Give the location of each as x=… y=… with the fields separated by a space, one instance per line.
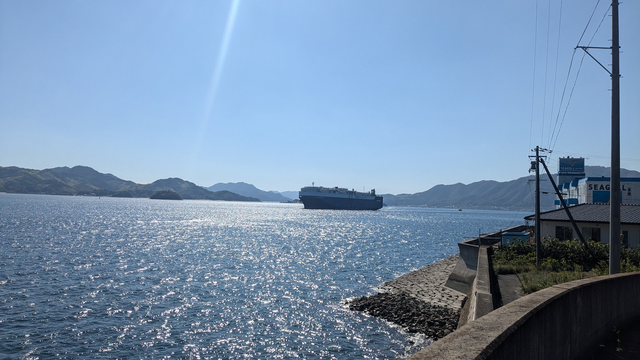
x=139 y=278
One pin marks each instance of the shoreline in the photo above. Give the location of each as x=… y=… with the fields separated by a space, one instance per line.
x=418 y=301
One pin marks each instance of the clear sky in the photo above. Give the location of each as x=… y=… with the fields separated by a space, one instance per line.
x=393 y=95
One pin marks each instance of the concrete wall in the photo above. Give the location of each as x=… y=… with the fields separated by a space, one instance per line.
x=461 y=278
x=480 y=297
x=469 y=249
x=473 y=276
x=566 y=321
x=464 y=274
x=469 y=253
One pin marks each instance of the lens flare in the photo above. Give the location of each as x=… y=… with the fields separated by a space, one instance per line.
x=215 y=78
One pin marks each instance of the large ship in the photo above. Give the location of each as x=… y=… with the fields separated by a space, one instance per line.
x=318 y=197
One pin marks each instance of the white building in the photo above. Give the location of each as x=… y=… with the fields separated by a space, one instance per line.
x=576 y=188
x=596 y=190
x=593 y=222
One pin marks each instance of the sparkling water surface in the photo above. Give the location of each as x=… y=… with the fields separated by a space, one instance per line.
x=139 y=278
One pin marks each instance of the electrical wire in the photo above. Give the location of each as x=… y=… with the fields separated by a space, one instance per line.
x=533 y=90
x=595 y=156
x=524 y=190
x=555 y=75
x=588 y=22
x=566 y=107
x=546 y=72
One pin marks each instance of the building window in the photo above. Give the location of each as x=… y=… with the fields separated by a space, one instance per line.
x=591 y=233
x=625 y=238
x=564 y=233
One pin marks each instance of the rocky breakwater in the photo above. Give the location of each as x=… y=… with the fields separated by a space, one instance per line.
x=418 y=301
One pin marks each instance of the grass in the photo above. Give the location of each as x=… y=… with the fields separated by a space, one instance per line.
x=535 y=280
x=562 y=261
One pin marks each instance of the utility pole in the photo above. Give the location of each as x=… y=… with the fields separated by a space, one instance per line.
x=614 y=182
x=614 y=199
x=535 y=165
x=538 y=226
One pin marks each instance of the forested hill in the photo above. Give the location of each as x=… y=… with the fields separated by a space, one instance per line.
x=250 y=191
x=83 y=180
x=516 y=194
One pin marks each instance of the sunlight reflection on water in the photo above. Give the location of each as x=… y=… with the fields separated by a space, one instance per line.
x=141 y=278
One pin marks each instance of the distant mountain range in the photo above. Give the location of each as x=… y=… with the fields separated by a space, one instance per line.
x=517 y=195
x=249 y=190
x=82 y=180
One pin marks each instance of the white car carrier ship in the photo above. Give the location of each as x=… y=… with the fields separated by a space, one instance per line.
x=318 y=197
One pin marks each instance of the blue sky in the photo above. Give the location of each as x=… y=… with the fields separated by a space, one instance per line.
x=394 y=95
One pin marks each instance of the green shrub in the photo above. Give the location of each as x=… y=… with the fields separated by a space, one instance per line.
x=551 y=264
x=627 y=265
x=557 y=255
x=632 y=256
x=519 y=252
x=561 y=261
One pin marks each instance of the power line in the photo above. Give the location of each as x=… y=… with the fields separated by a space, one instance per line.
x=564 y=115
x=554 y=133
x=594 y=156
x=546 y=73
x=555 y=75
x=588 y=22
x=533 y=90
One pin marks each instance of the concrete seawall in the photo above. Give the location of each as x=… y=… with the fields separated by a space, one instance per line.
x=464 y=274
x=480 y=296
x=473 y=275
x=561 y=322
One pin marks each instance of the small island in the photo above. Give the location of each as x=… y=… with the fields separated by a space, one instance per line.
x=166 y=195
x=122 y=194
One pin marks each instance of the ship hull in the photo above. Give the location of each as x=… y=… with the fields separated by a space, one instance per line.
x=339 y=199
x=332 y=203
